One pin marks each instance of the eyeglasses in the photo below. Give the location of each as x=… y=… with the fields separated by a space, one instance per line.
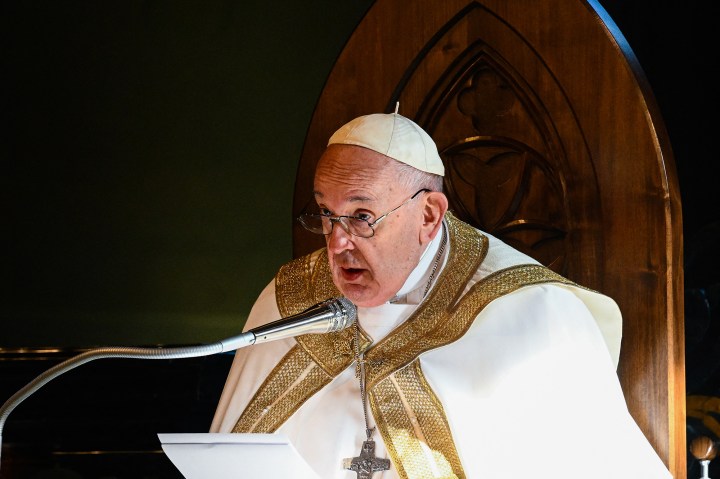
x=322 y=224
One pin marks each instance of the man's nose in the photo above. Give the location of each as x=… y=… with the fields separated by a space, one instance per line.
x=339 y=238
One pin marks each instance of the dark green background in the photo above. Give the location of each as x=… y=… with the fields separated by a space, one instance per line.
x=152 y=154
x=150 y=148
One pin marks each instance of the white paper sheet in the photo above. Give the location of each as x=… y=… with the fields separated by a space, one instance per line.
x=235 y=456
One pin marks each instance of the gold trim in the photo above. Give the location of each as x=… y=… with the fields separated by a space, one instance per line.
x=413 y=434
x=441 y=319
x=413 y=424
x=422 y=442
x=409 y=415
x=427 y=328
x=293 y=380
x=318 y=358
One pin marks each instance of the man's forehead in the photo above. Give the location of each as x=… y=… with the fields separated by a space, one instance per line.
x=353 y=174
x=354 y=157
x=351 y=196
x=353 y=164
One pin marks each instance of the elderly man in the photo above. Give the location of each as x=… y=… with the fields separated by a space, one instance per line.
x=468 y=359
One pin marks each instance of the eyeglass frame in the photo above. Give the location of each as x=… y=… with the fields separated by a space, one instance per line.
x=346 y=227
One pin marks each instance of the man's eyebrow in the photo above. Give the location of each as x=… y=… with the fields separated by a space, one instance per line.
x=355 y=198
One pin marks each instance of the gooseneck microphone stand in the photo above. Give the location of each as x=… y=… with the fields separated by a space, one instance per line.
x=328 y=316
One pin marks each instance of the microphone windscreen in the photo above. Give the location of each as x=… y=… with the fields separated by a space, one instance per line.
x=347 y=314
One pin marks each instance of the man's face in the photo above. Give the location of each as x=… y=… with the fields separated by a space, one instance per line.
x=355 y=181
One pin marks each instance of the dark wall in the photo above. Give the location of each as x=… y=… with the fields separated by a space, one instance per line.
x=150 y=152
x=149 y=161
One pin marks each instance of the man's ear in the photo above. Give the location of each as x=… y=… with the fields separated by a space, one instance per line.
x=434 y=208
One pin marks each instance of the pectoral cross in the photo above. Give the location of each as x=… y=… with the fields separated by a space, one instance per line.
x=366 y=464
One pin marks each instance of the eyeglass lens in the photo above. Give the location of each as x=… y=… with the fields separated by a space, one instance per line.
x=321 y=224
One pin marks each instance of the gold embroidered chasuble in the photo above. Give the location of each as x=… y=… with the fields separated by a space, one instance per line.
x=407 y=412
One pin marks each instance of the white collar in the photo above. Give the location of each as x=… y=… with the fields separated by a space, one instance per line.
x=413 y=290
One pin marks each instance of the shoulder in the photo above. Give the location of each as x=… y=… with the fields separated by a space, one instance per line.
x=560 y=304
x=302 y=268
x=266 y=308
x=501 y=256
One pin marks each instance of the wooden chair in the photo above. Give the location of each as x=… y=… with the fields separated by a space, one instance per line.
x=553 y=142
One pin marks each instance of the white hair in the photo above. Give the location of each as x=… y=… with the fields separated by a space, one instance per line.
x=415 y=179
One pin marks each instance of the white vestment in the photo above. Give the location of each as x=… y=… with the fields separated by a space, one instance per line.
x=529 y=391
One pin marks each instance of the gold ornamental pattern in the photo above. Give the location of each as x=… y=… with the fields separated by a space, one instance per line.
x=408 y=414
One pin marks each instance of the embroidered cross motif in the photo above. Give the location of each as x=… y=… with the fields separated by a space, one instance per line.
x=366 y=464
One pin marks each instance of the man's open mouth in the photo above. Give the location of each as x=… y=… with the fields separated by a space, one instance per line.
x=350 y=274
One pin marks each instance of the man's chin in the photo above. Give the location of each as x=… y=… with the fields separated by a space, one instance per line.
x=361 y=296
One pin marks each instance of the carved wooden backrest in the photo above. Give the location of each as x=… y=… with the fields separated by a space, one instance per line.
x=551 y=141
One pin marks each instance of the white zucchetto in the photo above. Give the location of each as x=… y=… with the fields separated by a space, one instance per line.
x=394 y=136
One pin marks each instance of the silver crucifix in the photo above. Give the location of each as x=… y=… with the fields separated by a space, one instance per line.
x=366 y=464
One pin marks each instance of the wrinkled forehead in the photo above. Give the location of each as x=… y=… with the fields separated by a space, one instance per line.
x=347 y=166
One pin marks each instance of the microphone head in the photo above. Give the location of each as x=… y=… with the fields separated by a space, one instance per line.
x=344 y=313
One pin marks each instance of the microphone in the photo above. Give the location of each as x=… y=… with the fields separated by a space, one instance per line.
x=326 y=317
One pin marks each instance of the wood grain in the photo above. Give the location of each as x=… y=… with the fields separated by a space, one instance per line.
x=553 y=142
